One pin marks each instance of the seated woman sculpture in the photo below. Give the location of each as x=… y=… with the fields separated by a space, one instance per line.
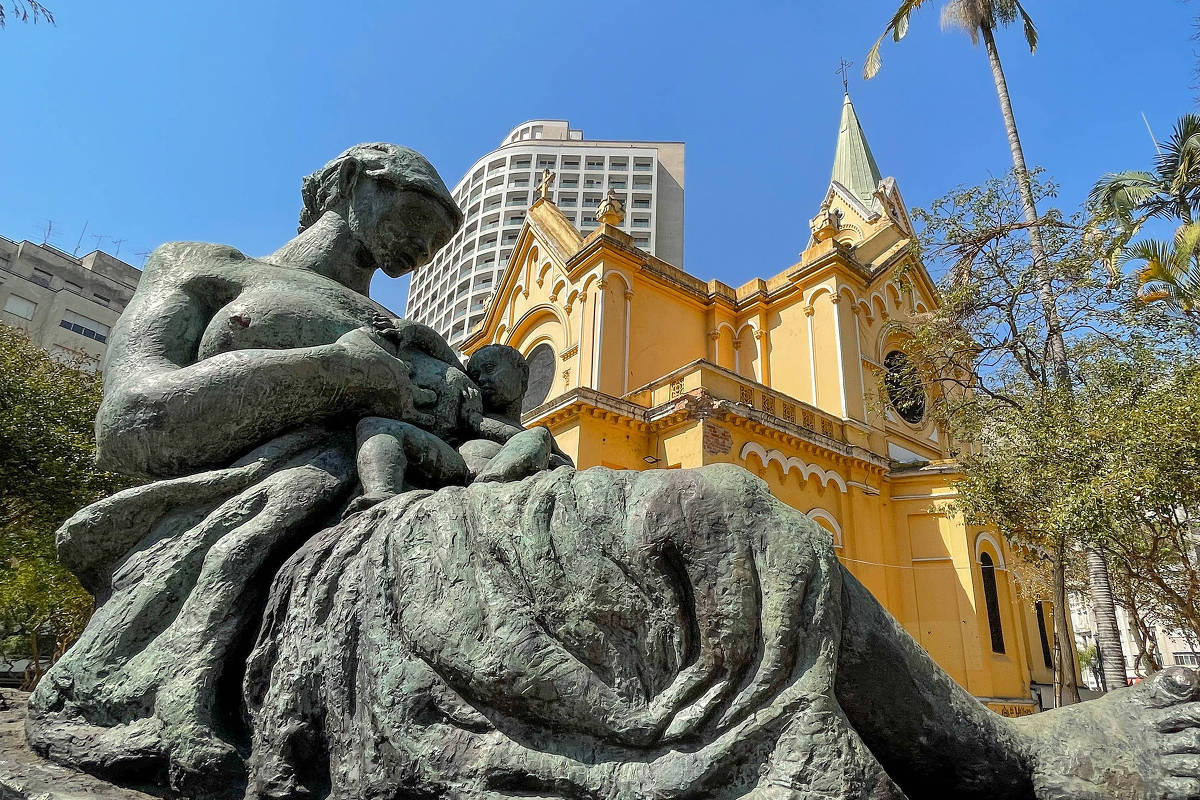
x=592 y=634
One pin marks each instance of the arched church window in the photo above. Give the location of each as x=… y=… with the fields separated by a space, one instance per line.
x=992 y=601
x=903 y=384
x=541 y=375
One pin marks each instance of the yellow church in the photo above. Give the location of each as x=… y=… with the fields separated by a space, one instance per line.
x=636 y=364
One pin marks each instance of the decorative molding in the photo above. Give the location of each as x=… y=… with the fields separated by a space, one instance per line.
x=819 y=513
x=941 y=496
x=990 y=539
x=787 y=464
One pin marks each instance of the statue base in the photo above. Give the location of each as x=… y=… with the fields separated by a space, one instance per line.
x=26 y=776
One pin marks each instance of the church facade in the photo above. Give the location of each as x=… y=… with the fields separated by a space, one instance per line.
x=636 y=364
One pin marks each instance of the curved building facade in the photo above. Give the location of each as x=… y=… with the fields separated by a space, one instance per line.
x=452 y=293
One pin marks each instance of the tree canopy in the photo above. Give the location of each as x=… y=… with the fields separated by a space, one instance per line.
x=47 y=447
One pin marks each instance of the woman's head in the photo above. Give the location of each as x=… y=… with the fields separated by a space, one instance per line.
x=392 y=198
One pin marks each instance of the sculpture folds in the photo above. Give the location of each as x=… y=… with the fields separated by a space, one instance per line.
x=595 y=634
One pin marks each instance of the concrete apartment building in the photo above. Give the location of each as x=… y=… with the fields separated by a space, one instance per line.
x=66 y=304
x=451 y=294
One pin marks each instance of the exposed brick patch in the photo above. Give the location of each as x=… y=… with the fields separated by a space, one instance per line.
x=718 y=441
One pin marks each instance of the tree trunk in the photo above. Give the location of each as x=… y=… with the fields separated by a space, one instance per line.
x=1057 y=348
x=1066 y=689
x=1108 y=635
x=1108 y=638
x=1139 y=635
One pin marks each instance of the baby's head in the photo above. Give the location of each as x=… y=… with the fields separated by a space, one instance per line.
x=502 y=375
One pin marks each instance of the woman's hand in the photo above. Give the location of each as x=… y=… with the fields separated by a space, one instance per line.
x=384 y=381
x=400 y=334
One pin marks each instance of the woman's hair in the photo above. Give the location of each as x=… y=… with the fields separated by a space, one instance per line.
x=403 y=166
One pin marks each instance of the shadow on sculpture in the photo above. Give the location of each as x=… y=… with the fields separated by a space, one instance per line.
x=358 y=577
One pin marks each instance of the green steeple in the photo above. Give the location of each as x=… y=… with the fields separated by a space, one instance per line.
x=853 y=165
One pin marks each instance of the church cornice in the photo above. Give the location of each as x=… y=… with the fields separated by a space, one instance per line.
x=697 y=405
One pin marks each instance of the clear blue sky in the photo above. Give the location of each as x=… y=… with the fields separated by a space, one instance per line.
x=157 y=121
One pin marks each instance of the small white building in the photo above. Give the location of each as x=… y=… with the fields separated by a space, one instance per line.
x=1172 y=647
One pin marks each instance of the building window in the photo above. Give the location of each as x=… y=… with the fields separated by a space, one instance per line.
x=20 y=307
x=541 y=375
x=84 y=326
x=1187 y=659
x=992 y=600
x=41 y=277
x=903 y=385
x=1040 y=610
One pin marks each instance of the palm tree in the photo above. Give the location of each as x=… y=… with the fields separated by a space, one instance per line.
x=1171 y=271
x=980 y=19
x=1171 y=192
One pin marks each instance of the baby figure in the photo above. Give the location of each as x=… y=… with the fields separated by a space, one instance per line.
x=395 y=456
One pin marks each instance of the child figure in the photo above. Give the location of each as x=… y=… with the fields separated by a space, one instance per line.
x=395 y=456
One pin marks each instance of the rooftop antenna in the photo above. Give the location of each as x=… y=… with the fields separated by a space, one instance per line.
x=79 y=241
x=46 y=234
x=843 y=68
x=98 y=238
x=117 y=243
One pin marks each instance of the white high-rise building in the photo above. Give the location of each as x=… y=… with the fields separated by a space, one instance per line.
x=451 y=294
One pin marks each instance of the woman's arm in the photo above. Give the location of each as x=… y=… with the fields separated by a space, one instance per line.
x=166 y=414
x=406 y=333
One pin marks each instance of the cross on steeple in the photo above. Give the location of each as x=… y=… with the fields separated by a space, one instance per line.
x=543 y=188
x=844 y=67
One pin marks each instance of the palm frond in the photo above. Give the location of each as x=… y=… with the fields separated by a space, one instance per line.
x=1187 y=243
x=1174 y=151
x=898 y=27
x=873 y=62
x=1155 y=254
x=1170 y=271
x=965 y=15
x=1031 y=34
x=1117 y=194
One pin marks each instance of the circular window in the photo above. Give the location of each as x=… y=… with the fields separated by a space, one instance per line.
x=903 y=386
x=541 y=375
